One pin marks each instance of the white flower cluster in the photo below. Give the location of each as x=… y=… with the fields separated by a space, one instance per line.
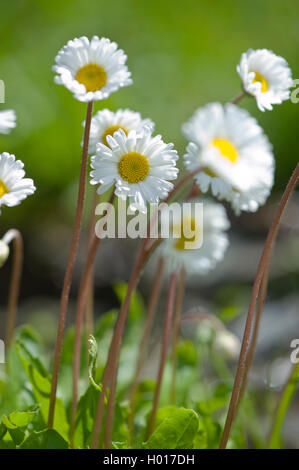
x=233 y=156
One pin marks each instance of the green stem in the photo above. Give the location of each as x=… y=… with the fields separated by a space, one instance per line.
x=285 y=401
x=70 y=267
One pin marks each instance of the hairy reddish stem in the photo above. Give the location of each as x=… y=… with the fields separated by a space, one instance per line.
x=14 y=289
x=251 y=351
x=239 y=97
x=150 y=315
x=176 y=330
x=113 y=356
x=81 y=306
x=70 y=267
x=263 y=265
x=164 y=350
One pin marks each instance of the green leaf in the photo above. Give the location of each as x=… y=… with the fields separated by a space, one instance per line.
x=41 y=385
x=137 y=307
x=47 y=439
x=201 y=438
x=85 y=417
x=286 y=399
x=176 y=429
x=23 y=418
x=16 y=423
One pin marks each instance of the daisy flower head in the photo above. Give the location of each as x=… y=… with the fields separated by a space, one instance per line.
x=140 y=166
x=7 y=121
x=207 y=234
x=106 y=122
x=91 y=69
x=234 y=153
x=265 y=76
x=13 y=186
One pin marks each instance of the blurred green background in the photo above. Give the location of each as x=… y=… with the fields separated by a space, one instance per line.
x=181 y=55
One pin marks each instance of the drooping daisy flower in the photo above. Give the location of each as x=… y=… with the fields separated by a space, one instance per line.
x=91 y=69
x=13 y=186
x=140 y=166
x=105 y=122
x=265 y=76
x=234 y=153
x=7 y=121
x=210 y=229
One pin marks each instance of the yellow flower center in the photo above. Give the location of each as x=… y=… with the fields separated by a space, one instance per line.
x=3 y=188
x=259 y=78
x=133 y=167
x=92 y=76
x=226 y=149
x=179 y=229
x=110 y=131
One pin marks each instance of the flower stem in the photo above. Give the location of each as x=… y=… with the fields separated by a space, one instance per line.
x=284 y=403
x=14 y=289
x=239 y=97
x=113 y=355
x=176 y=330
x=164 y=350
x=81 y=306
x=150 y=315
x=70 y=266
x=259 y=311
x=90 y=297
x=263 y=264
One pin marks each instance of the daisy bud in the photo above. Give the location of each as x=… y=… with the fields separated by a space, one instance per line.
x=227 y=344
x=4 y=252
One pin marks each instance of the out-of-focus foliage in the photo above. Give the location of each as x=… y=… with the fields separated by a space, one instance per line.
x=203 y=389
x=182 y=55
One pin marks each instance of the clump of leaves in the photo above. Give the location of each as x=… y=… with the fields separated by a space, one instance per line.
x=195 y=421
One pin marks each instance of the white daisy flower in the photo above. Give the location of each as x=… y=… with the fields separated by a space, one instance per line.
x=105 y=122
x=265 y=76
x=91 y=69
x=214 y=240
x=234 y=153
x=140 y=166
x=7 y=121
x=13 y=186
